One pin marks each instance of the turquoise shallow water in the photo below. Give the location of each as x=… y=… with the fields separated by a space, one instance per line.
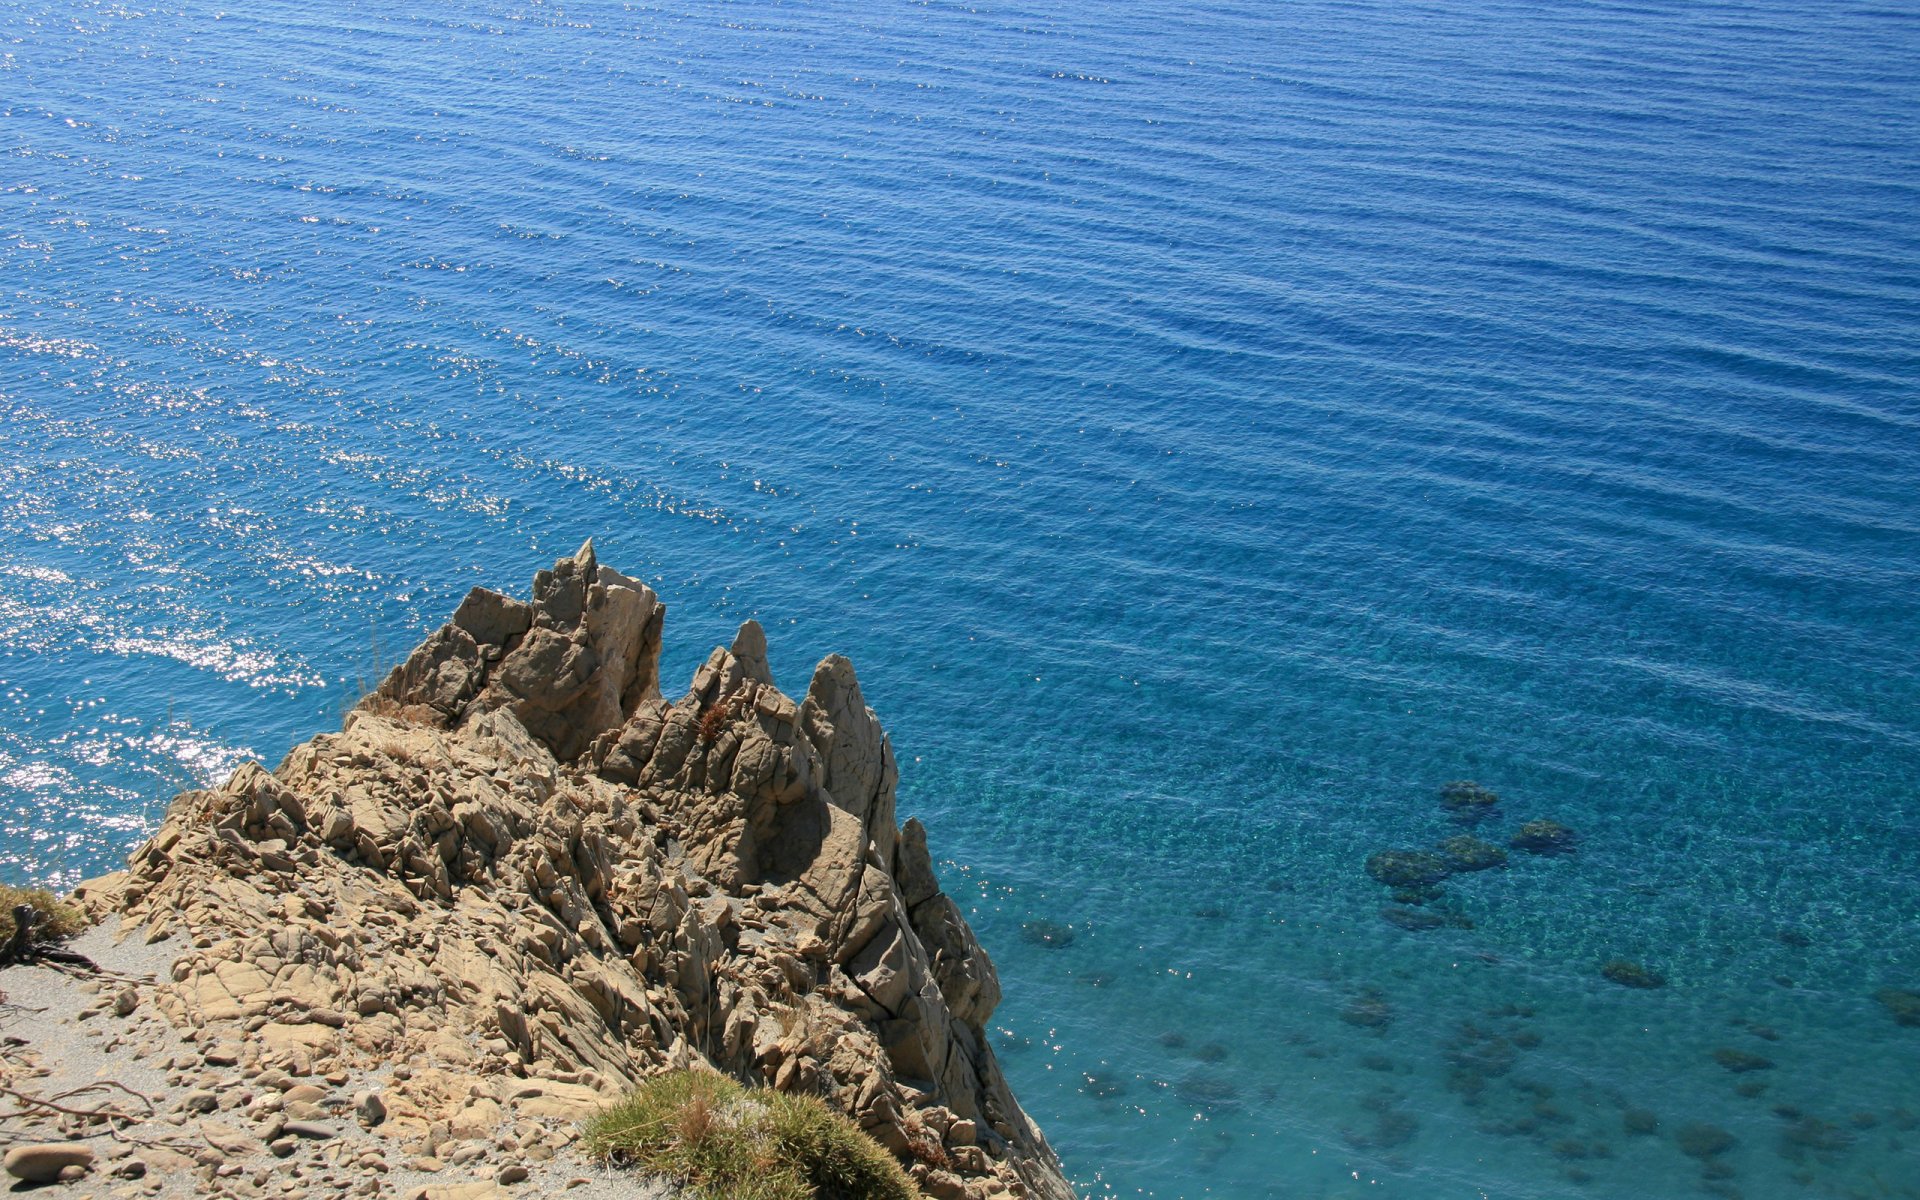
x=1209 y=428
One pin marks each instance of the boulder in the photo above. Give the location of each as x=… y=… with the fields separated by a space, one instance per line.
x=1408 y=868
x=1466 y=800
x=1464 y=853
x=1543 y=837
x=1632 y=974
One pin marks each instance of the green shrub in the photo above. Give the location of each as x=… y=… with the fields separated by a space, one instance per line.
x=63 y=920
x=723 y=1141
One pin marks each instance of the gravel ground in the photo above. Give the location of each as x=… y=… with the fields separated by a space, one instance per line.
x=207 y=1129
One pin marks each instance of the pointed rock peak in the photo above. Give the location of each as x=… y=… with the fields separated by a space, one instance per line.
x=835 y=688
x=584 y=560
x=913 y=866
x=560 y=595
x=750 y=651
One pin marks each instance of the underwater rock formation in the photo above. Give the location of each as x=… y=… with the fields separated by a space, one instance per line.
x=1467 y=801
x=1465 y=853
x=1632 y=974
x=1902 y=1005
x=518 y=862
x=1543 y=837
x=1408 y=868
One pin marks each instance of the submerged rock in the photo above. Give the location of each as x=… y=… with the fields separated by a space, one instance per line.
x=1640 y=1121
x=1703 y=1141
x=1487 y=1055
x=1051 y=934
x=1808 y=1134
x=1368 y=1010
x=1741 y=1061
x=1408 y=868
x=1208 y=1092
x=1391 y=1125
x=1467 y=800
x=1543 y=837
x=1632 y=974
x=1465 y=853
x=1414 y=919
x=1903 y=1005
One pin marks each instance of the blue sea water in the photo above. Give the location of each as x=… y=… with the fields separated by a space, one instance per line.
x=1209 y=427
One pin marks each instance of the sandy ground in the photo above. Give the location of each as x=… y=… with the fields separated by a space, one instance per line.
x=92 y=1042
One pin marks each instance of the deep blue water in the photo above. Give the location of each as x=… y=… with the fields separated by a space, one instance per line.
x=1208 y=427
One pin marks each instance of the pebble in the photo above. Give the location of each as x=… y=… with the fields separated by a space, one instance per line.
x=43 y=1162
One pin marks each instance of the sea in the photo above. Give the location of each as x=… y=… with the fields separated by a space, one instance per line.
x=1210 y=427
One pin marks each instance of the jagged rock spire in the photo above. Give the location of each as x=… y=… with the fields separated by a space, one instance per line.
x=517 y=861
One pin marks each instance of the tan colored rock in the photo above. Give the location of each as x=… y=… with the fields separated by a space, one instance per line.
x=484 y=1190
x=43 y=1162
x=520 y=880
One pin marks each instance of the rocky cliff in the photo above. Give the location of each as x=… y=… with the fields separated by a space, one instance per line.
x=522 y=873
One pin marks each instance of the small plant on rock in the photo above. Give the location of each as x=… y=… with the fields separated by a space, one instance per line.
x=53 y=920
x=720 y=1140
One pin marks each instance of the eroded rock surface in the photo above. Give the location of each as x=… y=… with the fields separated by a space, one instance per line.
x=523 y=872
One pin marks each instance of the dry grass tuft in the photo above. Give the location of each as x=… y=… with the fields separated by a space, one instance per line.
x=63 y=920
x=721 y=1141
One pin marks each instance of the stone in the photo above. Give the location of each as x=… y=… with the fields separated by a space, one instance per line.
x=42 y=1162
x=1703 y=1141
x=1543 y=837
x=224 y=1054
x=371 y=1108
x=1412 y=918
x=1368 y=1010
x=1465 y=853
x=1632 y=974
x=1408 y=868
x=1806 y=1133
x=483 y=1190
x=1901 y=1004
x=1741 y=1061
x=1050 y=934
x=1467 y=800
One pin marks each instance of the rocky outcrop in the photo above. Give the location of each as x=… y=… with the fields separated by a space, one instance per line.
x=522 y=871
